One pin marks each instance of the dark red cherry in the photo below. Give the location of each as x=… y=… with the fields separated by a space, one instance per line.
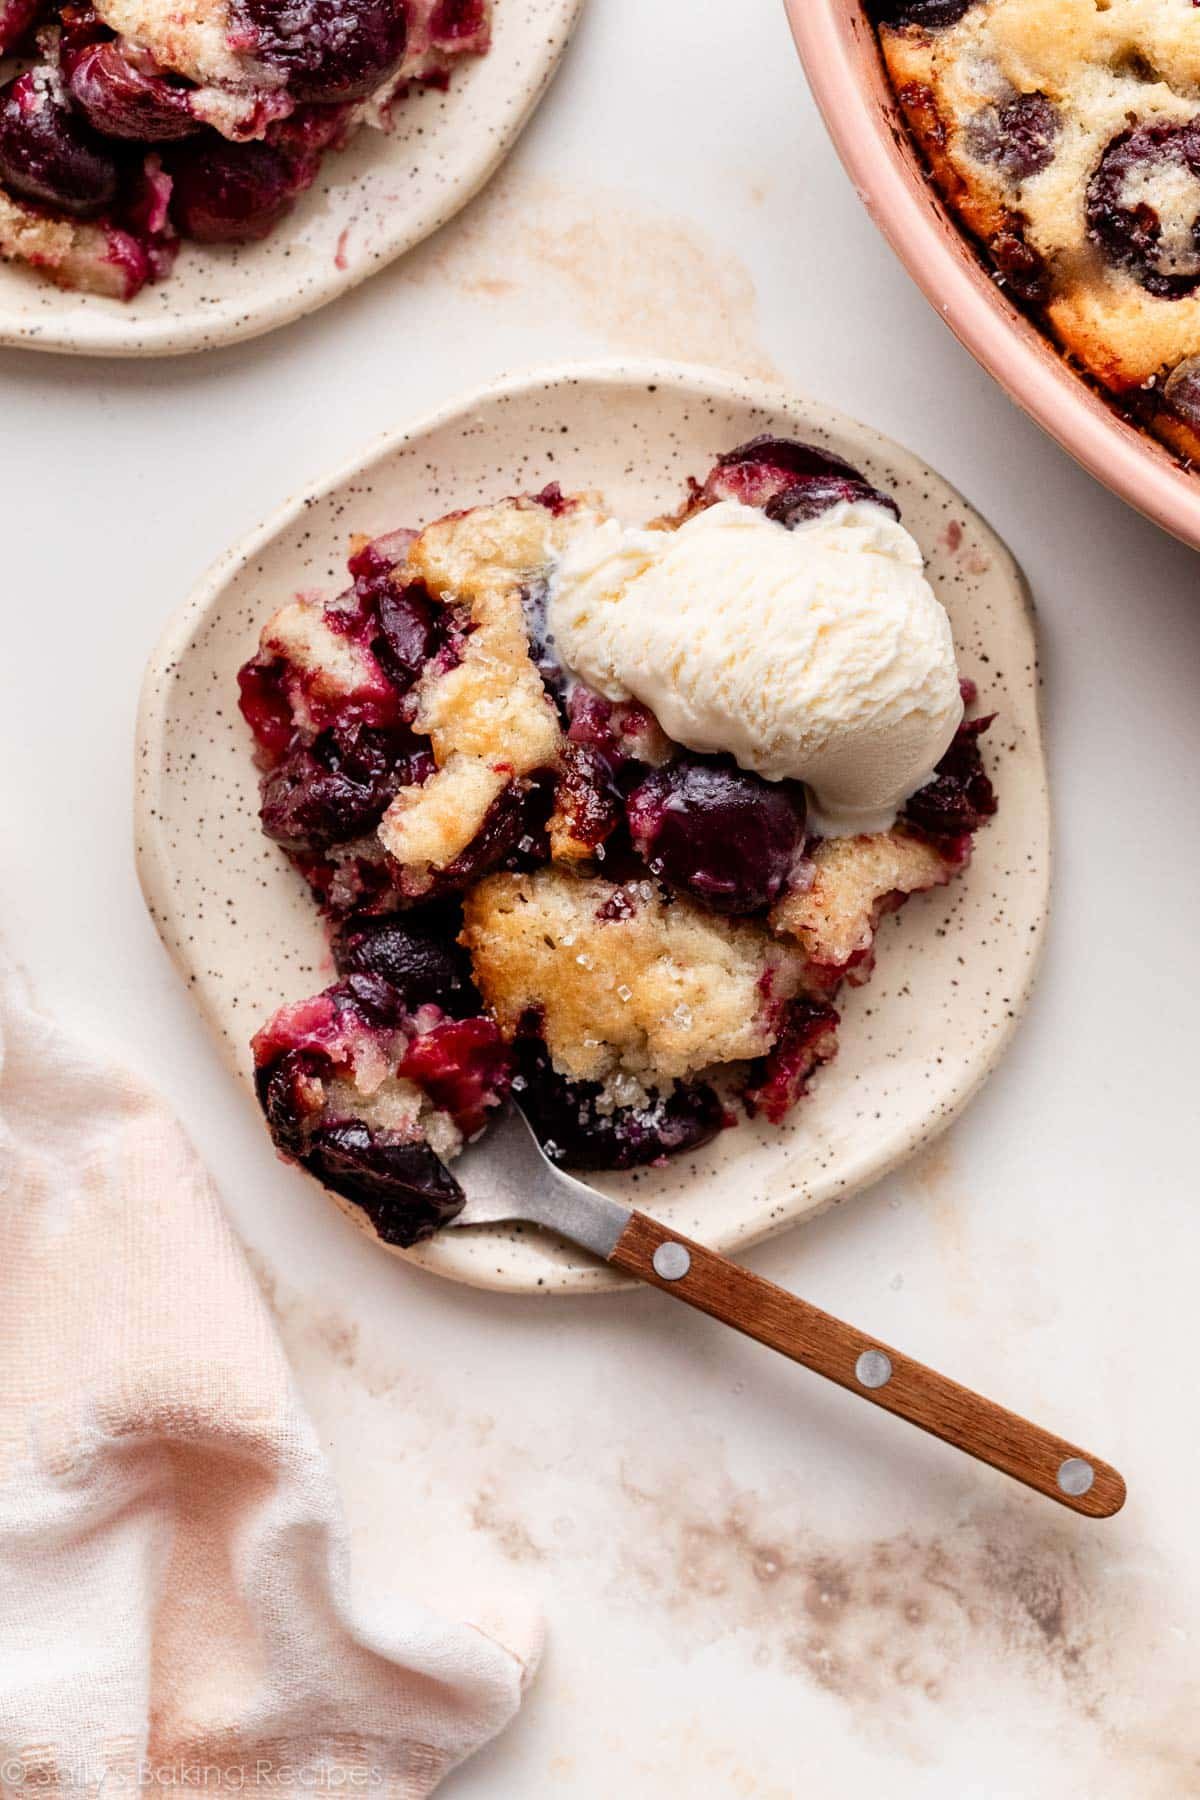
x=1164 y=255
x=416 y=952
x=17 y=19
x=513 y=833
x=286 y=1092
x=1022 y=268
x=264 y=705
x=464 y=1067
x=1019 y=137
x=48 y=153
x=306 y=806
x=402 y=1187
x=933 y=15
x=307 y=133
x=122 y=92
x=809 y=499
x=790 y=481
x=230 y=193
x=410 y=630
x=408 y=623
x=723 y=835
x=777 y=1080
x=574 y=1130
x=369 y=997
x=335 y=790
x=330 y=50
x=452 y=22
x=374 y=560
x=592 y=723
x=960 y=796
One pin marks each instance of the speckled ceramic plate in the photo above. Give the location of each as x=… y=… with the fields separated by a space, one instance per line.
x=374 y=200
x=954 y=967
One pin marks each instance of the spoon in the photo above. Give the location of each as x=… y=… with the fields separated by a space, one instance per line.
x=510 y=1177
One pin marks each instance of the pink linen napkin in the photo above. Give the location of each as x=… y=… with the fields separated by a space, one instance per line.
x=172 y=1564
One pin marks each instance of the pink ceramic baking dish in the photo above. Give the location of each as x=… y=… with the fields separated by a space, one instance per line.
x=845 y=71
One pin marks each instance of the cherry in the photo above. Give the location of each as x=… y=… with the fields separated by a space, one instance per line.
x=305 y=134
x=513 y=833
x=1018 y=137
x=719 y=833
x=403 y=1188
x=369 y=997
x=574 y=1131
x=809 y=499
x=335 y=790
x=452 y=21
x=593 y=724
x=778 y=1079
x=934 y=15
x=17 y=19
x=283 y=1087
x=408 y=623
x=791 y=482
x=1131 y=233
x=463 y=1065
x=1022 y=267
x=122 y=92
x=263 y=702
x=416 y=952
x=960 y=796
x=330 y=50
x=373 y=561
x=48 y=153
x=231 y=193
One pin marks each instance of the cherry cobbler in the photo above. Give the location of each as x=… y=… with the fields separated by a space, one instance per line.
x=130 y=124
x=529 y=887
x=1066 y=135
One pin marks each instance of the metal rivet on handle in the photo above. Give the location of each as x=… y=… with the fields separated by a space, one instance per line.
x=874 y=1368
x=671 y=1262
x=1075 y=1476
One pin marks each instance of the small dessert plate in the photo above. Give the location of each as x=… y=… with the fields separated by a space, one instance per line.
x=954 y=967
x=372 y=202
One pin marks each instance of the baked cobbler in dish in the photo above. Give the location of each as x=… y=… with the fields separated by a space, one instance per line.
x=601 y=816
x=1066 y=136
x=129 y=124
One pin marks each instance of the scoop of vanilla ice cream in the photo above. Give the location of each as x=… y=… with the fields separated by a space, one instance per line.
x=818 y=654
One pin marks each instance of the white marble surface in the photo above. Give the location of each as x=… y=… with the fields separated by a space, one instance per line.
x=753 y=1586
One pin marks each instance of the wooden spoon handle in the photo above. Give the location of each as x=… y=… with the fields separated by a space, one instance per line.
x=874 y=1371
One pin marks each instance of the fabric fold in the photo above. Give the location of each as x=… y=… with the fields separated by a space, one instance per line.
x=173 y=1567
